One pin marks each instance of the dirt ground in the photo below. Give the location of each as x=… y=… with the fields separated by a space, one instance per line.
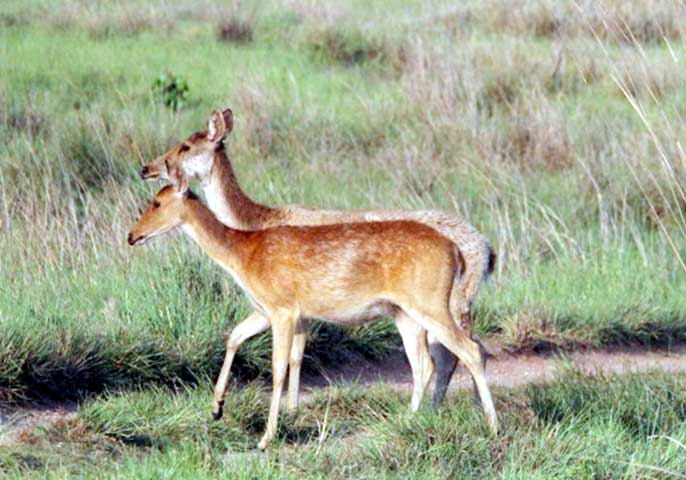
x=14 y=421
x=512 y=370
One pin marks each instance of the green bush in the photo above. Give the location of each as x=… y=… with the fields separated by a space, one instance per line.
x=173 y=90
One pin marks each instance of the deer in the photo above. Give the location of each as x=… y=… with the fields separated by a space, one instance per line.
x=340 y=273
x=203 y=155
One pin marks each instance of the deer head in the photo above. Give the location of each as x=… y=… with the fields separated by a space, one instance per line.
x=162 y=215
x=193 y=156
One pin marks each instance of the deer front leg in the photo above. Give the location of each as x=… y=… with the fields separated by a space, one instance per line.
x=283 y=329
x=252 y=325
x=295 y=363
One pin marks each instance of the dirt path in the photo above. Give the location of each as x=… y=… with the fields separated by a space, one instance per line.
x=503 y=370
x=14 y=422
x=506 y=370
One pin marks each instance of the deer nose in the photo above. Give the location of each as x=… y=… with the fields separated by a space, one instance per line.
x=144 y=172
x=131 y=240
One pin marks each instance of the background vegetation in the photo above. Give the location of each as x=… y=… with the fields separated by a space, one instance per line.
x=555 y=127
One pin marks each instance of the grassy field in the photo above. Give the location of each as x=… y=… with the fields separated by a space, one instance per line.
x=554 y=127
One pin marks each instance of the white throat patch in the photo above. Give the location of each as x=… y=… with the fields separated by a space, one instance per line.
x=198 y=166
x=218 y=202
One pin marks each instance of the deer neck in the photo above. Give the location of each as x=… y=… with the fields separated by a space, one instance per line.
x=222 y=243
x=227 y=200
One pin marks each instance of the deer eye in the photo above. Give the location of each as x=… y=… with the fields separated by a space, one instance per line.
x=184 y=148
x=155 y=204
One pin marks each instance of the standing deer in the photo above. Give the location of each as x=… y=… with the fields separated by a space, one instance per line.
x=340 y=273
x=203 y=155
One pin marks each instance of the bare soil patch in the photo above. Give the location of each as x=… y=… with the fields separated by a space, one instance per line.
x=16 y=421
x=511 y=370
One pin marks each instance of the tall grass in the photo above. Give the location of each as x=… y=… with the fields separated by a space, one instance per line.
x=555 y=130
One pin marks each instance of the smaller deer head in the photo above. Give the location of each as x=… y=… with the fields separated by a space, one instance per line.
x=192 y=157
x=162 y=215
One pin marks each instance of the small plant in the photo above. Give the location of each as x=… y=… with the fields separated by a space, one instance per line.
x=172 y=90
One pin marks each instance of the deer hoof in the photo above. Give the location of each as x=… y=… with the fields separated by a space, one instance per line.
x=218 y=411
x=263 y=443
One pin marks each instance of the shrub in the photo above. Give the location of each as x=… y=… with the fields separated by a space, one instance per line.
x=172 y=90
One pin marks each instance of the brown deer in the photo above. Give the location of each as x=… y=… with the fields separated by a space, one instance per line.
x=202 y=155
x=340 y=273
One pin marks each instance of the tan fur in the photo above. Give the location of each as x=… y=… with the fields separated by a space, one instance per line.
x=342 y=273
x=236 y=209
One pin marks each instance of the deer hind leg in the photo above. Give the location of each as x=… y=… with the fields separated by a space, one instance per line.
x=295 y=363
x=460 y=308
x=283 y=329
x=445 y=363
x=484 y=358
x=463 y=293
x=417 y=351
x=461 y=297
x=252 y=325
x=441 y=324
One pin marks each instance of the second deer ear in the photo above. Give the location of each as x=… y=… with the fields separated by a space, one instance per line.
x=216 y=127
x=228 y=120
x=179 y=180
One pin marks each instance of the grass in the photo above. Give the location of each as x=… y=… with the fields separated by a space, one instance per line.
x=576 y=427
x=556 y=132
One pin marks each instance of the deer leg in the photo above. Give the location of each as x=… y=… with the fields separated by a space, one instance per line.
x=252 y=325
x=440 y=323
x=283 y=329
x=445 y=363
x=484 y=358
x=416 y=349
x=461 y=297
x=295 y=363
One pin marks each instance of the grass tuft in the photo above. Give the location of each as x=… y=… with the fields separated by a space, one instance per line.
x=353 y=47
x=236 y=30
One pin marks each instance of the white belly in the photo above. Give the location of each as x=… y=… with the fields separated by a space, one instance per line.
x=357 y=315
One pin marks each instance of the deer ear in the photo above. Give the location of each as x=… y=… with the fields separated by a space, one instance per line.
x=216 y=128
x=228 y=120
x=179 y=180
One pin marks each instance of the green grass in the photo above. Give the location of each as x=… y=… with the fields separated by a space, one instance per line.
x=523 y=129
x=576 y=427
x=515 y=116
